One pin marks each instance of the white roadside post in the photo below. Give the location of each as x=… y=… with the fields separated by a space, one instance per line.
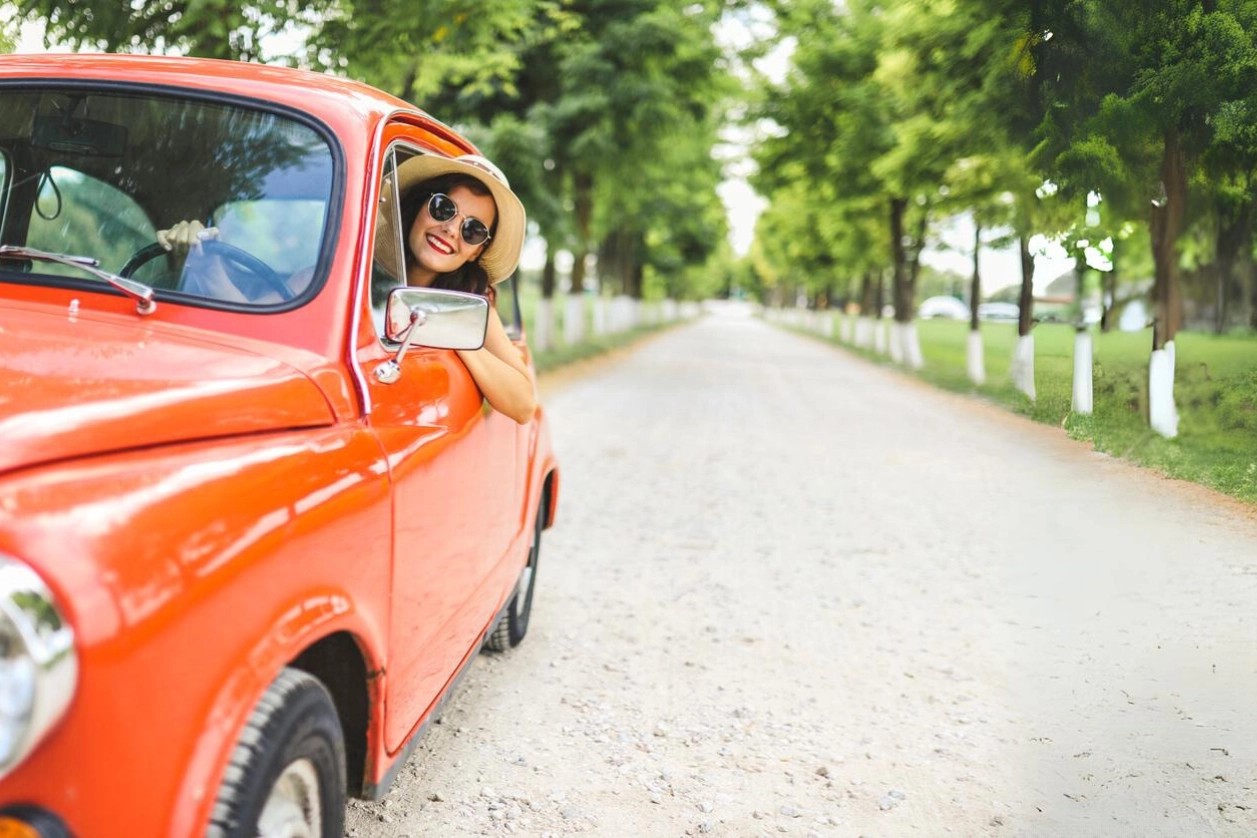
x=910 y=345
x=896 y=342
x=600 y=315
x=543 y=325
x=1081 y=402
x=846 y=328
x=864 y=326
x=975 y=359
x=1162 y=414
x=574 y=319
x=1023 y=365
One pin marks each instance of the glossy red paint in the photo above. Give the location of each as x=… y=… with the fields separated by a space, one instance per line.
x=212 y=493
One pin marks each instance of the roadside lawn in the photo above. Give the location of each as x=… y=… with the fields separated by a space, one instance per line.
x=1215 y=390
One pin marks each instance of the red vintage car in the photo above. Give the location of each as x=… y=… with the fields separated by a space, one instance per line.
x=250 y=533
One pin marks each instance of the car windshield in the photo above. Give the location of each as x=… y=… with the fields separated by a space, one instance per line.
x=93 y=173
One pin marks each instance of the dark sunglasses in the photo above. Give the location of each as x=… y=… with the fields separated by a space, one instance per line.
x=442 y=208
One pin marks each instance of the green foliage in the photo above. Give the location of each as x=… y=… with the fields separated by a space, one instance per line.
x=604 y=113
x=210 y=28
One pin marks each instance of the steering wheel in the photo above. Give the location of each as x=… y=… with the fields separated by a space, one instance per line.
x=245 y=269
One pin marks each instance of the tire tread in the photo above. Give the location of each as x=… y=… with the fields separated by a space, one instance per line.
x=287 y=689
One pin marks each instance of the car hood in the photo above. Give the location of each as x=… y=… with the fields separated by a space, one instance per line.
x=72 y=386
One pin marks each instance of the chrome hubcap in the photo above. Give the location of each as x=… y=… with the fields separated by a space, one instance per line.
x=525 y=585
x=292 y=810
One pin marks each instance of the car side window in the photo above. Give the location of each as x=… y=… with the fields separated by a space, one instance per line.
x=387 y=263
x=507 y=302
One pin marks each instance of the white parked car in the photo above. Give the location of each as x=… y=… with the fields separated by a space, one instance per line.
x=946 y=308
x=998 y=311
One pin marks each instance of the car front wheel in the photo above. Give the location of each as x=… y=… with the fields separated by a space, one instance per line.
x=511 y=629
x=287 y=773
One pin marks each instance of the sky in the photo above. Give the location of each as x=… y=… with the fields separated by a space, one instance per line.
x=998 y=268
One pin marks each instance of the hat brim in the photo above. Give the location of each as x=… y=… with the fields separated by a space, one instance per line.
x=501 y=255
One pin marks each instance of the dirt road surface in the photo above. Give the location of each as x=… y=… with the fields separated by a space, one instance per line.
x=790 y=593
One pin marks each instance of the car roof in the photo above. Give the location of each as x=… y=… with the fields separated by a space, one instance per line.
x=330 y=98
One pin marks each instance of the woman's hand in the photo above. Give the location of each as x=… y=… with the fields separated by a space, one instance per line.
x=185 y=235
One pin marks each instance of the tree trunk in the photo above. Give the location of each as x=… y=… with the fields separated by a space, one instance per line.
x=583 y=194
x=542 y=336
x=975 y=358
x=914 y=263
x=577 y=284
x=868 y=293
x=1108 y=293
x=1025 y=319
x=899 y=260
x=1234 y=258
x=1166 y=224
x=549 y=273
x=975 y=284
x=879 y=303
x=1022 y=367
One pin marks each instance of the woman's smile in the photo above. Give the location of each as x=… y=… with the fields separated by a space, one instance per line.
x=439 y=244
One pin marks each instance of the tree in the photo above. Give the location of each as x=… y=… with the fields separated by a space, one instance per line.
x=1160 y=76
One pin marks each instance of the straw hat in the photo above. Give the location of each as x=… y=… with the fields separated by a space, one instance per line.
x=501 y=255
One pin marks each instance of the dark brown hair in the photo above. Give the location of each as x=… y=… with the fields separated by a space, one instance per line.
x=470 y=277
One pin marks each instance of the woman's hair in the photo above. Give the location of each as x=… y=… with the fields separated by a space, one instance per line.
x=470 y=277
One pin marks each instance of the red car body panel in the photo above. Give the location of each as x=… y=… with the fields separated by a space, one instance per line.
x=210 y=494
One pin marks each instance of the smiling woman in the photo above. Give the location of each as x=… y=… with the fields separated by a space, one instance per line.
x=459 y=228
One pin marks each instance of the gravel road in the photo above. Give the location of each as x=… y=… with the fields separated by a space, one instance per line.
x=791 y=593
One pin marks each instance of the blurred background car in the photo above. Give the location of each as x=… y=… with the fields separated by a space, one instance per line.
x=946 y=308
x=998 y=311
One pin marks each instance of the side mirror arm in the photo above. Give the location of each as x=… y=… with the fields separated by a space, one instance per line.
x=391 y=370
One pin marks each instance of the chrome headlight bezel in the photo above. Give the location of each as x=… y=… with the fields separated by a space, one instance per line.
x=38 y=662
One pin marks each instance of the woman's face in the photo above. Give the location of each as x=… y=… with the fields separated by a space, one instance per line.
x=438 y=246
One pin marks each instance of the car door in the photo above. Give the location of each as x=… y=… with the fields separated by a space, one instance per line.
x=451 y=460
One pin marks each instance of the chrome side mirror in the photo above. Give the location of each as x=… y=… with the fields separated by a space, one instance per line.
x=431 y=317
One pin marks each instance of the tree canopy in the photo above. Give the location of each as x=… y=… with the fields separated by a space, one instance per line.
x=603 y=112
x=1129 y=128
x=934 y=107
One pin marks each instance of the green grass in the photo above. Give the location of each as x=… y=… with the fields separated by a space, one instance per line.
x=551 y=359
x=1215 y=390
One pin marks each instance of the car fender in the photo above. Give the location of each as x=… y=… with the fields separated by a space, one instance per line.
x=544 y=466
x=307 y=620
x=191 y=574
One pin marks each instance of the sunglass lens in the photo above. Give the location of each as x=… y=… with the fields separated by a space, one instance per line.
x=474 y=231
x=442 y=207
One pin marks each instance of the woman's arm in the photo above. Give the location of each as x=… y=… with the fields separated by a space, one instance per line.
x=500 y=373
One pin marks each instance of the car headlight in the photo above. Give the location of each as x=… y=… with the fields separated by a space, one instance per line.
x=38 y=662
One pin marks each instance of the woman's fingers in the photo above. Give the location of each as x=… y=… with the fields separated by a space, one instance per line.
x=185 y=235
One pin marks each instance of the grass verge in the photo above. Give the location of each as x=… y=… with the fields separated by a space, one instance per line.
x=1215 y=390
x=552 y=359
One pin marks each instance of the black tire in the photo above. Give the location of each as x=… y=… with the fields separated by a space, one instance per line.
x=289 y=765
x=511 y=629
